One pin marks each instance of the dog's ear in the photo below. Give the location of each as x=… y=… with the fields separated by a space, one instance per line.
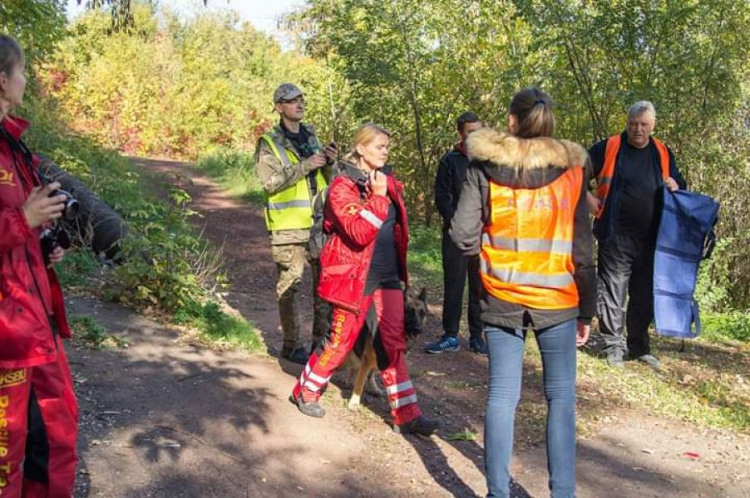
x=423 y=294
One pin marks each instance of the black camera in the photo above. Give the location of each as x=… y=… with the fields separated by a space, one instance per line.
x=51 y=239
x=56 y=236
x=72 y=207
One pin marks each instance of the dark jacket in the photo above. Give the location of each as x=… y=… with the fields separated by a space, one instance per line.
x=29 y=293
x=606 y=226
x=451 y=176
x=523 y=163
x=353 y=216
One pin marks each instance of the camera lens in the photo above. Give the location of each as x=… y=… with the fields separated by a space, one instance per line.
x=72 y=207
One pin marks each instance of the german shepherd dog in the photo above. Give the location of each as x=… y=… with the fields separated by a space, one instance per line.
x=367 y=356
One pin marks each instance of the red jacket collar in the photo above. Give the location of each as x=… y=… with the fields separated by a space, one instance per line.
x=15 y=126
x=461 y=147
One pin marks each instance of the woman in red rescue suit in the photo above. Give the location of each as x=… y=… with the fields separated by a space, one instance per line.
x=38 y=411
x=362 y=265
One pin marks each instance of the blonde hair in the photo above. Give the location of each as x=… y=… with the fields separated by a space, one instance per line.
x=364 y=136
x=533 y=109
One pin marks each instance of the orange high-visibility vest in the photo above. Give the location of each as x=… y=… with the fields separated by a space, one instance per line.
x=604 y=180
x=527 y=248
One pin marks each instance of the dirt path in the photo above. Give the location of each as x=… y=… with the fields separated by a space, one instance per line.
x=165 y=418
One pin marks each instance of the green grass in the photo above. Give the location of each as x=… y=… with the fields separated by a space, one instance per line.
x=706 y=384
x=92 y=335
x=235 y=172
x=78 y=266
x=217 y=326
x=425 y=258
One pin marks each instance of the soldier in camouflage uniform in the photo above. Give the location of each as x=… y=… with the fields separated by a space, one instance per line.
x=292 y=167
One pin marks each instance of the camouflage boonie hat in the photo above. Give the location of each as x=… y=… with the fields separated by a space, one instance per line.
x=286 y=91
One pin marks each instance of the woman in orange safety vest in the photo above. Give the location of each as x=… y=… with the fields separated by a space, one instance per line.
x=523 y=210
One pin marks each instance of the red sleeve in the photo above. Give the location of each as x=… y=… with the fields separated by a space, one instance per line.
x=14 y=227
x=358 y=223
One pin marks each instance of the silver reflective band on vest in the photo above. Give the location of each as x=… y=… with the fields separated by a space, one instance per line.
x=282 y=151
x=559 y=281
x=604 y=181
x=529 y=245
x=277 y=206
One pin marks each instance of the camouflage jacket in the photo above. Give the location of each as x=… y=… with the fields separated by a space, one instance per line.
x=274 y=176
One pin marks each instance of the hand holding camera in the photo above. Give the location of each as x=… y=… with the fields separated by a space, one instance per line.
x=45 y=204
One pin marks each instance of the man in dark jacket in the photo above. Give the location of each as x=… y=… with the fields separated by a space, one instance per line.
x=450 y=178
x=630 y=170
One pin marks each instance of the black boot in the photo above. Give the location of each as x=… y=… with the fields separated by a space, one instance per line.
x=311 y=409
x=421 y=425
x=296 y=355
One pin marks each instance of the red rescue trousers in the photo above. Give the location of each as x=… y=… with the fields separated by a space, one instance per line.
x=38 y=428
x=389 y=310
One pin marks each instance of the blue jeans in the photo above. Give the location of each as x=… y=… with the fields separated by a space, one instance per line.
x=558 y=347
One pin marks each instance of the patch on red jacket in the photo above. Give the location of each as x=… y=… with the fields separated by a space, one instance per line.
x=12 y=377
x=6 y=177
x=351 y=208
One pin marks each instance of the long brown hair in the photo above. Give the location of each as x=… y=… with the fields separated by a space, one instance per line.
x=365 y=134
x=11 y=54
x=533 y=110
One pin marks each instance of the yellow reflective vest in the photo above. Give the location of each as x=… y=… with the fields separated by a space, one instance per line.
x=290 y=208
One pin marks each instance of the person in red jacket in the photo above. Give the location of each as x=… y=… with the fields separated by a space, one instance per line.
x=363 y=265
x=38 y=410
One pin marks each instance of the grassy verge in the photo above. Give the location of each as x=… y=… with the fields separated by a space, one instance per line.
x=235 y=172
x=220 y=328
x=167 y=267
x=91 y=334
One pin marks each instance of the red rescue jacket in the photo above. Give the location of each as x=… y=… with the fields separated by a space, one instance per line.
x=30 y=295
x=353 y=216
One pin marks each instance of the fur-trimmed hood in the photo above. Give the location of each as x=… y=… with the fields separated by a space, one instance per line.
x=523 y=162
x=505 y=149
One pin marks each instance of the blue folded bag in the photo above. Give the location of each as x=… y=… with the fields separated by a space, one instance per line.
x=686 y=236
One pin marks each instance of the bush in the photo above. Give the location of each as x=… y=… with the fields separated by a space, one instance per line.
x=733 y=325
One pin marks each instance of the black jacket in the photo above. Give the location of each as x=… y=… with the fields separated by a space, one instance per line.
x=451 y=176
x=606 y=226
x=524 y=163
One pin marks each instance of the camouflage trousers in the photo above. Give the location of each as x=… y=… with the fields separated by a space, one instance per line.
x=290 y=266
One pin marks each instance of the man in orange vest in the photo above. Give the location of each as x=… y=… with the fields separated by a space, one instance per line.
x=630 y=170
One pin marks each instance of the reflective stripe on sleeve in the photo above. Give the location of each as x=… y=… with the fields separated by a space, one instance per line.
x=370 y=217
